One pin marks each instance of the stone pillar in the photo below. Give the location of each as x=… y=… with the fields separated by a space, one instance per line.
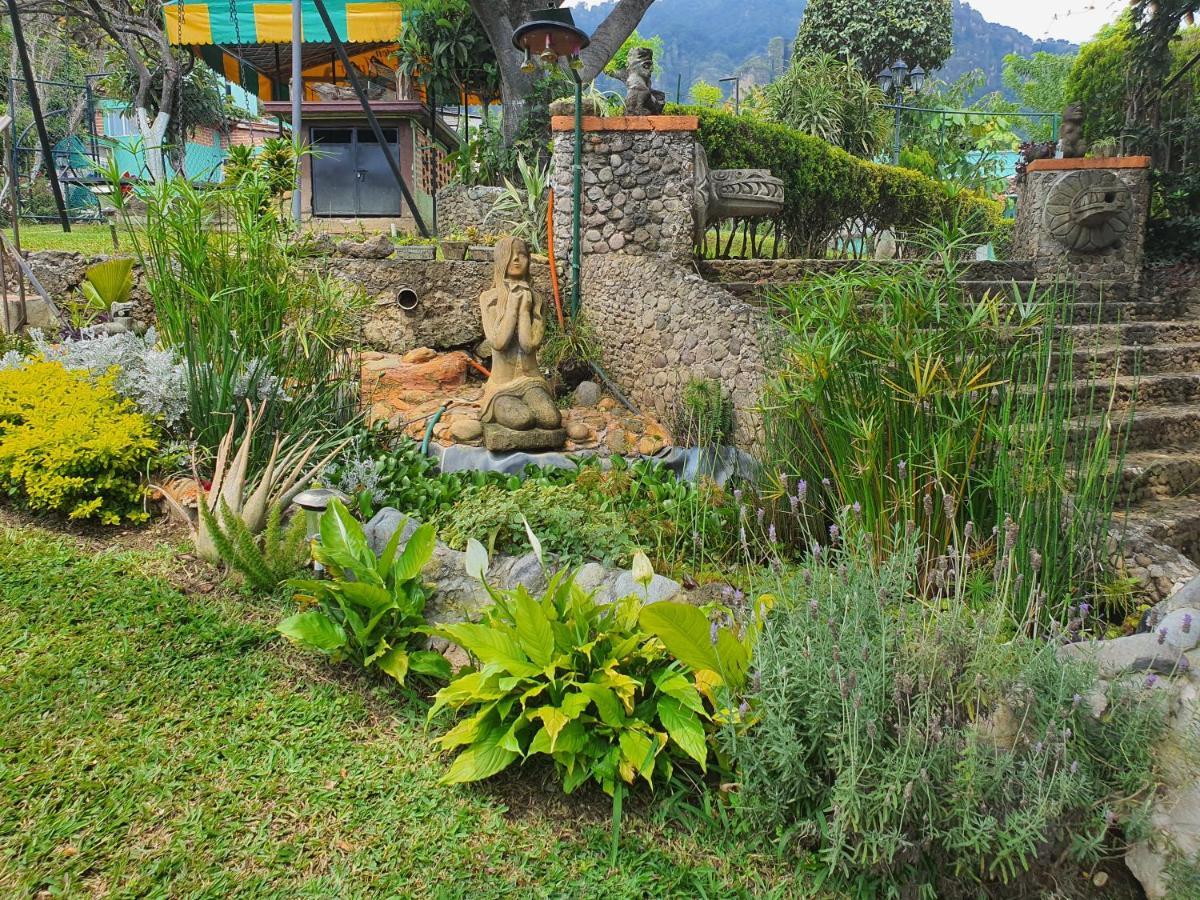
x=1085 y=219
x=658 y=323
x=638 y=185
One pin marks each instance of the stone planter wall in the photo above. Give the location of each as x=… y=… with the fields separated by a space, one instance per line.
x=1121 y=262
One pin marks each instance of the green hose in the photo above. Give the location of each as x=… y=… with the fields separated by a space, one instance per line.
x=433 y=420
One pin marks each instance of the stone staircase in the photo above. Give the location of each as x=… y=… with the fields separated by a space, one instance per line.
x=1143 y=350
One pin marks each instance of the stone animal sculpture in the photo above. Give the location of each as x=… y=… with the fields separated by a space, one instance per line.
x=640 y=98
x=122 y=321
x=519 y=412
x=1070 y=132
x=1088 y=210
x=733 y=194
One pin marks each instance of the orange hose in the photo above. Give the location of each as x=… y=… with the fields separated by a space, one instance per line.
x=553 y=267
x=480 y=366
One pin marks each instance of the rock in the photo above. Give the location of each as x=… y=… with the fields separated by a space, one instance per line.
x=499 y=439
x=1182 y=628
x=384 y=524
x=615 y=441
x=607 y=403
x=1135 y=653
x=590 y=577
x=420 y=355
x=378 y=247
x=464 y=429
x=578 y=431
x=469 y=459
x=447 y=370
x=659 y=589
x=1176 y=824
x=587 y=394
x=886 y=246
x=321 y=245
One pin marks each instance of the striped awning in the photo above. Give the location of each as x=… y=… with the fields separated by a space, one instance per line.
x=239 y=22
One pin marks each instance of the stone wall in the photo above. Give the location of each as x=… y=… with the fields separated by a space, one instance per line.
x=661 y=325
x=638 y=186
x=1121 y=262
x=447 y=312
x=779 y=270
x=460 y=207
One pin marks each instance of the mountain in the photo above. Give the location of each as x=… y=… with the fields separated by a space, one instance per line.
x=714 y=39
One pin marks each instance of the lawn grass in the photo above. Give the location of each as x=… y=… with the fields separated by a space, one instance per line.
x=155 y=743
x=89 y=239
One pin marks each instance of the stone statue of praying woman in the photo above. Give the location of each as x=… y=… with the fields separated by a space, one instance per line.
x=516 y=398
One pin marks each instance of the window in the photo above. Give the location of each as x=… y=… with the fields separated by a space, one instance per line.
x=117 y=123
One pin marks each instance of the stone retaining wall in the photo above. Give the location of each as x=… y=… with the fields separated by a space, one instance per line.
x=796 y=269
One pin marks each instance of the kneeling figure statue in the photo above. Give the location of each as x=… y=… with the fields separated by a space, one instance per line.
x=518 y=408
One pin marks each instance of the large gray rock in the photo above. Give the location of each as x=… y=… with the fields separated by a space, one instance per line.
x=587 y=394
x=1135 y=653
x=378 y=247
x=384 y=524
x=658 y=590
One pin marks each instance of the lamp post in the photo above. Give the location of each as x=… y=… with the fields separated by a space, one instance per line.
x=549 y=37
x=892 y=81
x=737 y=93
x=314 y=502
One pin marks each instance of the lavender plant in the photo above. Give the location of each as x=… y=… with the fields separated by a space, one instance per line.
x=913 y=746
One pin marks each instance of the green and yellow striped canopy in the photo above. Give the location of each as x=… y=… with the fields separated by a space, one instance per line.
x=239 y=22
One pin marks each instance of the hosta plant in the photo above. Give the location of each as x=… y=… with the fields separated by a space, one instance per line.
x=371 y=611
x=580 y=682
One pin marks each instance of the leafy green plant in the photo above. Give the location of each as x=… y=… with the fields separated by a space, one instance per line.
x=410 y=481
x=582 y=683
x=572 y=526
x=874 y=36
x=569 y=348
x=265 y=560
x=833 y=100
x=372 y=610
x=106 y=283
x=522 y=209
x=705 y=417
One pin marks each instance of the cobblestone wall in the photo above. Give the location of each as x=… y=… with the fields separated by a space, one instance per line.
x=1119 y=263
x=638 y=187
x=460 y=207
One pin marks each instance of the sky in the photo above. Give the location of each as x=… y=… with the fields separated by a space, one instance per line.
x=1073 y=20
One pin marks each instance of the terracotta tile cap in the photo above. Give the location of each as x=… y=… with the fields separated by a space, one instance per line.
x=628 y=123
x=1108 y=162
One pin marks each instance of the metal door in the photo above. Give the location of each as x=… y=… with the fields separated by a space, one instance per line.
x=350 y=174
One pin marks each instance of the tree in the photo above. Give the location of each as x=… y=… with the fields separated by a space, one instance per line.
x=877 y=34
x=444 y=48
x=1040 y=83
x=833 y=100
x=500 y=18
x=706 y=95
x=138 y=31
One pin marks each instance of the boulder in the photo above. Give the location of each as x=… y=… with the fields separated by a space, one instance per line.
x=378 y=247
x=587 y=394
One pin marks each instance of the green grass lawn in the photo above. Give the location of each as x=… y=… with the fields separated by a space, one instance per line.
x=162 y=744
x=88 y=239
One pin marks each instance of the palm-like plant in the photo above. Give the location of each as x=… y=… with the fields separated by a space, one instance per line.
x=831 y=99
x=522 y=210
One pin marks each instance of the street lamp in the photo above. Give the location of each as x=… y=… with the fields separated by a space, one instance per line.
x=892 y=81
x=737 y=93
x=549 y=37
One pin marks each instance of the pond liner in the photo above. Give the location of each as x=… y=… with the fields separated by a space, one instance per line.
x=717 y=464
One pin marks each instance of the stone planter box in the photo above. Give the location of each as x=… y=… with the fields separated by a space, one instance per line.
x=453 y=250
x=480 y=253
x=421 y=252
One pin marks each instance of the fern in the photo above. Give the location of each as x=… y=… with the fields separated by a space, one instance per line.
x=264 y=562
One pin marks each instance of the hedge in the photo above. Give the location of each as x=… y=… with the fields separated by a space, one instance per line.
x=824 y=187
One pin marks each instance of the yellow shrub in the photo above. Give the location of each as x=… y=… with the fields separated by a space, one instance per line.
x=69 y=444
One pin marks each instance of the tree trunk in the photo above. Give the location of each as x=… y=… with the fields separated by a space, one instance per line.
x=152 y=134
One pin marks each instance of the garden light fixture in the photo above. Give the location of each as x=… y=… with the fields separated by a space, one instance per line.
x=892 y=81
x=549 y=36
x=314 y=502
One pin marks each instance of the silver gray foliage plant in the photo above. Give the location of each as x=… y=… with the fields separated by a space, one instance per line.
x=152 y=377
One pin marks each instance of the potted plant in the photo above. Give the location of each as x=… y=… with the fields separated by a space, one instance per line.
x=415 y=248
x=454 y=245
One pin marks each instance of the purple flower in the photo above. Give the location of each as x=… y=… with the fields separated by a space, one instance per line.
x=857 y=507
x=816 y=551
x=1037 y=748
x=813 y=607
x=737 y=495
x=1076 y=700
x=743 y=708
x=1084 y=609
x=834 y=531
x=802 y=490
x=727 y=591
x=771 y=535
x=1151 y=680
x=794 y=502
x=761 y=512
x=1187 y=622
x=903 y=468
x=1162 y=635
x=825 y=482
x=738 y=598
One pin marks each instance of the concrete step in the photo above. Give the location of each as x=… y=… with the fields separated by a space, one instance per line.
x=1123 y=392
x=1144 y=333
x=1174 y=521
x=1150 y=427
x=1150 y=475
x=1153 y=359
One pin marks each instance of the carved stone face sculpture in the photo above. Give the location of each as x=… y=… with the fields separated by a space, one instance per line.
x=1088 y=210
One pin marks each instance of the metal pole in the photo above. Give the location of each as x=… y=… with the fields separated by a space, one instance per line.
x=352 y=74
x=91 y=114
x=576 y=202
x=36 y=105
x=297 y=100
x=433 y=153
x=896 y=147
